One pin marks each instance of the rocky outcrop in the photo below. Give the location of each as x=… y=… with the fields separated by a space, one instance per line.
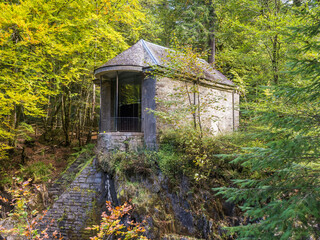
x=176 y=212
x=172 y=208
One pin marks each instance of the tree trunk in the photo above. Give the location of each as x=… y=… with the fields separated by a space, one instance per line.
x=212 y=39
x=212 y=48
x=65 y=120
x=91 y=124
x=275 y=59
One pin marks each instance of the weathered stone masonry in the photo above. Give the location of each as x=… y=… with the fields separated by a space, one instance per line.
x=81 y=204
x=219 y=108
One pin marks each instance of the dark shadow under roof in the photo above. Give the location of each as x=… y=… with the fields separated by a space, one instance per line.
x=144 y=54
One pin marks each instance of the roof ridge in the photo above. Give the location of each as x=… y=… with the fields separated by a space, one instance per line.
x=154 y=59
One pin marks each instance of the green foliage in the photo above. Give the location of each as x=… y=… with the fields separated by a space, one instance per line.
x=48 y=51
x=281 y=201
x=24 y=130
x=182 y=153
x=24 y=217
x=204 y=159
x=38 y=171
x=170 y=162
x=84 y=150
x=111 y=226
x=252 y=46
x=128 y=164
x=190 y=22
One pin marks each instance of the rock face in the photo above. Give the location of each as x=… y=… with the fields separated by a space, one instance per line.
x=81 y=203
x=176 y=212
x=171 y=208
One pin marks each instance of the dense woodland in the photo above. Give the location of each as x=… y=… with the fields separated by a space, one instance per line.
x=269 y=48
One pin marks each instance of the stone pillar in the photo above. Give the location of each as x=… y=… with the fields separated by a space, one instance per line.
x=149 y=120
x=105 y=106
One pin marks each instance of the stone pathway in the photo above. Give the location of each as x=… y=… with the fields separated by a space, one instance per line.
x=79 y=205
x=60 y=185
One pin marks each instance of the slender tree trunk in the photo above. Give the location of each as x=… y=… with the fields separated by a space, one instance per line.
x=13 y=121
x=212 y=47
x=199 y=109
x=46 y=120
x=212 y=39
x=91 y=124
x=191 y=106
x=275 y=59
x=79 y=128
x=86 y=111
x=68 y=117
x=65 y=120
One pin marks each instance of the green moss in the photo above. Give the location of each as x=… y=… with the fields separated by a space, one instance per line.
x=93 y=218
x=171 y=163
x=128 y=164
x=84 y=165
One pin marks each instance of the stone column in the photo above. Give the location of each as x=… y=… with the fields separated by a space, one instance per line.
x=105 y=107
x=148 y=90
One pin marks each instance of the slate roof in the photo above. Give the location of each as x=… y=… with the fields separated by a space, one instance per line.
x=146 y=54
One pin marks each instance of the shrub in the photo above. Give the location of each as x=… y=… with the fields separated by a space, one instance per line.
x=171 y=163
x=111 y=224
x=25 y=219
x=39 y=171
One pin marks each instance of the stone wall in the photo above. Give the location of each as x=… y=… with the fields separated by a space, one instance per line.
x=219 y=106
x=122 y=141
x=220 y=111
x=81 y=204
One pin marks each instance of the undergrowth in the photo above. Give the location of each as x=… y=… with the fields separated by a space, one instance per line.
x=38 y=171
x=204 y=159
x=186 y=167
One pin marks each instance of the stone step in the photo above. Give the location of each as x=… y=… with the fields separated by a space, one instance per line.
x=80 y=205
x=60 y=185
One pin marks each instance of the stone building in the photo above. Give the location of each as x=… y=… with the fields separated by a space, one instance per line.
x=129 y=90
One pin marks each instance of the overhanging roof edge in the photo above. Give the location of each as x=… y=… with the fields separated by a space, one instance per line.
x=133 y=68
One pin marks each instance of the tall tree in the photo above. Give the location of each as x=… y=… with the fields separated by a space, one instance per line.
x=192 y=22
x=282 y=198
x=48 y=50
x=251 y=46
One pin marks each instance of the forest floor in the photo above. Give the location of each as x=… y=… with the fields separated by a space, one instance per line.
x=38 y=160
